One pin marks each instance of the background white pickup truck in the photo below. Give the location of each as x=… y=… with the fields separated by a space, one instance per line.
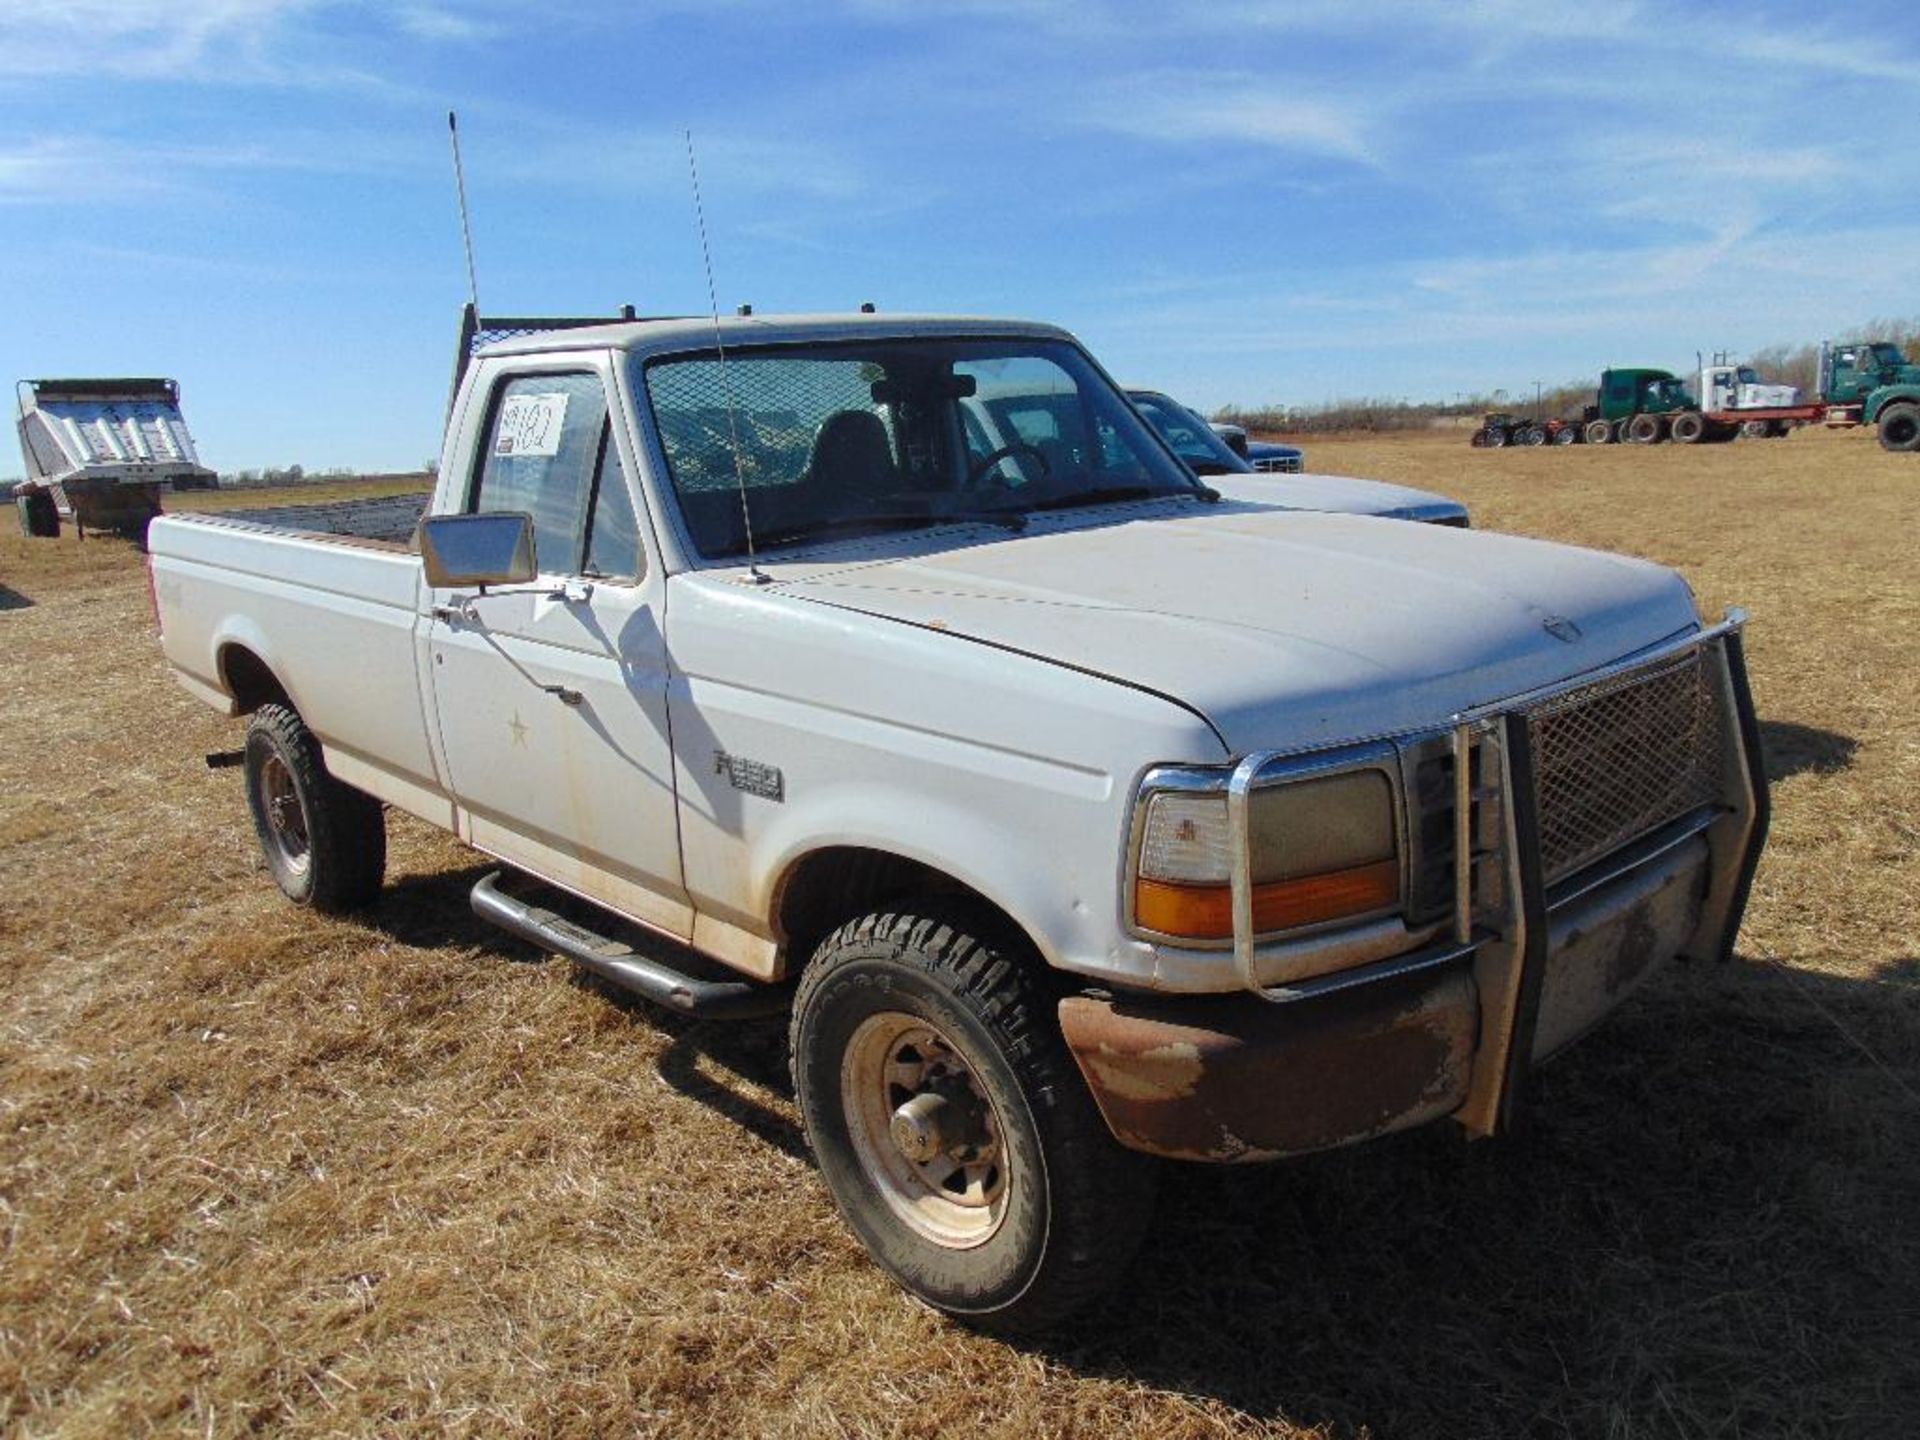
x=1079 y=814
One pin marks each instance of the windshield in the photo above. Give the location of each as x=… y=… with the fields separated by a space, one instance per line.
x=844 y=438
x=1192 y=439
x=1886 y=356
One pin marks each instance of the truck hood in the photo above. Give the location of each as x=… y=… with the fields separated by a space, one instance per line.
x=1339 y=494
x=1283 y=629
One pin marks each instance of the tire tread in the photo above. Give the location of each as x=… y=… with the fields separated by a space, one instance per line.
x=989 y=966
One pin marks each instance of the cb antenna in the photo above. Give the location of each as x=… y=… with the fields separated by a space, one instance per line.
x=466 y=225
x=726 y=382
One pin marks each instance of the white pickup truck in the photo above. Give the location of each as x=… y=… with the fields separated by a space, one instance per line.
x=1079 y=815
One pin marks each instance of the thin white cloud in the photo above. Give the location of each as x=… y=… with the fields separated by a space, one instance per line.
x=437 y=22
x=1238 y=109
x=151 y=38
x=97 y=170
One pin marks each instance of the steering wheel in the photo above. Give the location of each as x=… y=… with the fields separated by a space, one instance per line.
x=978 y=471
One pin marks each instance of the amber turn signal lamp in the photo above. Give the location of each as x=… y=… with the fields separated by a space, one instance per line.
x=1205 y=912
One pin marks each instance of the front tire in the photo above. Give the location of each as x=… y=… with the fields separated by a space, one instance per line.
x=951 y=1126
x=1900 y=428
x=324 y=842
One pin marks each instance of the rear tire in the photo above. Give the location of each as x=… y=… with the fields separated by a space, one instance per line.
x=39 y=516
x=951 y=1126
x=1645 y=429
x=1687 y=428
x=1599 y=432
x=324 y=842
x=1900 y=428
x=1496 y=438
x=1531 y=435
x=1567 y=435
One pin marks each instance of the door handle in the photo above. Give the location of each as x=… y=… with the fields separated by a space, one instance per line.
x=451 y=613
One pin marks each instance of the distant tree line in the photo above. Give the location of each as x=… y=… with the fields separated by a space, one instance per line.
x=1781 y=364
x=297 y=475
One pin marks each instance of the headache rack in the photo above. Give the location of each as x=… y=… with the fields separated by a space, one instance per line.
x=478 y=331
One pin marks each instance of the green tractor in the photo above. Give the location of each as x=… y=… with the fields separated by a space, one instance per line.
x=1877 y=377
x=1643 y=407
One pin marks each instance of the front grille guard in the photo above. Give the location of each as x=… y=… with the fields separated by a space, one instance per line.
x=1499 y=915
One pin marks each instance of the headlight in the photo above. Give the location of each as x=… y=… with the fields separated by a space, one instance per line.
x=1324 y=848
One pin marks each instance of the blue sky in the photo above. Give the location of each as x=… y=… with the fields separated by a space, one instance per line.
x=1240 y=202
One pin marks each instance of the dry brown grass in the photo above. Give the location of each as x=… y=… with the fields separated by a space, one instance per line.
x=265 y=1171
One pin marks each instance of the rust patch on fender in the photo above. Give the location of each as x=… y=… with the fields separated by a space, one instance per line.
x=1233 y=1078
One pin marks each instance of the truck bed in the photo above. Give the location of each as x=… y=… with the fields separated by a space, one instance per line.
x=390 y=519
x=331 y=615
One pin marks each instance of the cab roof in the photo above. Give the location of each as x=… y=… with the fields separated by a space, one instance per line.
x=691 y=333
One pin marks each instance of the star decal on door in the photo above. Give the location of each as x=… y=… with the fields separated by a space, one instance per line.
x=518 y=729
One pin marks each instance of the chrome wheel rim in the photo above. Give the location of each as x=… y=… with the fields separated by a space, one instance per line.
x=286 y=821
x=926 y=1133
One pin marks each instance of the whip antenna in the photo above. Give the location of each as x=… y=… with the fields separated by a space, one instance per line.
x=466 y=226
x=726 y=382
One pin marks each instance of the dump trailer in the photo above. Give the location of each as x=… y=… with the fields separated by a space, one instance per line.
x=100 y=452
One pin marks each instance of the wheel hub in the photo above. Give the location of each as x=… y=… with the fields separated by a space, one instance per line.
x=925 y=1130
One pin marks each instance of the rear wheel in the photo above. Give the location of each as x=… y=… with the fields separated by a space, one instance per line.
x=1531 y=435
x=951 y=1126
x=325 y=842
x=1478 y=440
x=1688 y=428
x=1645 y=429
x=39 y=516
x=1567 y=435
x=1599 y=432
x=1900 y=428
x=1496 y=437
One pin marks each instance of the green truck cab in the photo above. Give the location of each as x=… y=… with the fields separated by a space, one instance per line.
x=1630 y=403
x=1878 y=377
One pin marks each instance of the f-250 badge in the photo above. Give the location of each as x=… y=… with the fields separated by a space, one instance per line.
x=751 y=776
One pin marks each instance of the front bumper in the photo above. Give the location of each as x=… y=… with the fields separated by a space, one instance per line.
x=1451 y=1029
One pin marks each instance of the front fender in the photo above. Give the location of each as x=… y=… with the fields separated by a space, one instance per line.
x=1887 y=395
x=1007 y=870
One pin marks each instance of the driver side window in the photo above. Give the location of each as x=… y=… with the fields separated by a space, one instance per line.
x=550 y=454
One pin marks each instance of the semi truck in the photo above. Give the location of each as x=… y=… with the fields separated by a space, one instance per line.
x=100 y=453
x=1860 y=383
x=1077 y=816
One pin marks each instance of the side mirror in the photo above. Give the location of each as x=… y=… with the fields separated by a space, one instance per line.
x=490 y=549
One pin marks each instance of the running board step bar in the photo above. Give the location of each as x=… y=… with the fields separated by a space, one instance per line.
x=621 y=965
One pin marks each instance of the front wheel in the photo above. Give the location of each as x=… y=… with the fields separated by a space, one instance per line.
x=951 y=1126
x=1900 y=428
x=325 y=842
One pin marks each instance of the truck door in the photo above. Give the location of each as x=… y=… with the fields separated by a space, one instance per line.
x=551 y=699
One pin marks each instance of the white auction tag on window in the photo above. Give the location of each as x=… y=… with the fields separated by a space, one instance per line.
x=530 y=424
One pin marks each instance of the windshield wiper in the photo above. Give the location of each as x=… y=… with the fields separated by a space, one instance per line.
x=883 y=520
x=1112 y=494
